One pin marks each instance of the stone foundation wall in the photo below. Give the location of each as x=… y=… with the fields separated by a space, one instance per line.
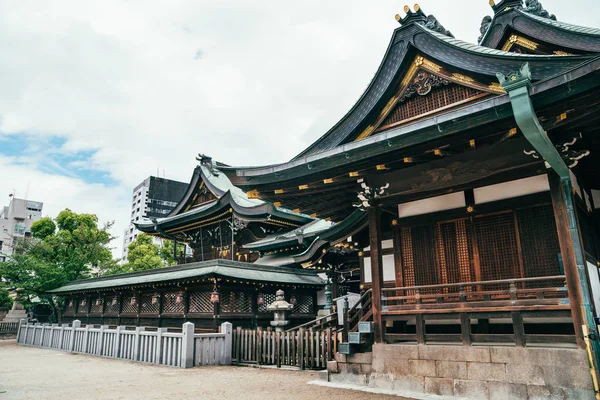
x=476 y=372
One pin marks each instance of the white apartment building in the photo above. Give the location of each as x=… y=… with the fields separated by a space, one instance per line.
x=15 y=222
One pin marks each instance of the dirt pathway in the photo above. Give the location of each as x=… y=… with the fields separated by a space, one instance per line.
x=31 y=373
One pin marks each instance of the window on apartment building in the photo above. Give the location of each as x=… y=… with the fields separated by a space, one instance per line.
x=2 y=258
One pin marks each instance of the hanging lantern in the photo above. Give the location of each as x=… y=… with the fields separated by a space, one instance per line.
x=179 y=298
x=155 y=299
x=214 y=296
x=293 y=300
x=114 y=301
x=132 y=301
x=71 y=303
x=260 y=299
x=83 y=302
x=99 y=302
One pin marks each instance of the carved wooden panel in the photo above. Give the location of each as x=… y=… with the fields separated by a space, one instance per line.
x=427 y=93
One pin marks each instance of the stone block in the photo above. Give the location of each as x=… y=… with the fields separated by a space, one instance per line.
x=348 y=378
x=524 y=373
x=421 y=368
x=451 y=369
x=360 y=358
x=568 y=377
x=323 y=375
x=454 y=353
x=579 y=394
x=381 y=381
x=339 y=357
x=398 y=351
x=410 y=383
x=486 y=371
x=366 y=369
x=332 y=367
x=535 y=392
x=538 y=356
x=439 y=386
x=471 y=389
x=504 y=391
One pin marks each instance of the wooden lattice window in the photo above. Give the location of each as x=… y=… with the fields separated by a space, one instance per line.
x=304 y=304
x=112 y=305
x=505 y=245
x=83 y=306
x=200 y=302
x=454 y=241
x=173 y=302
x=438 y=97
x=96 y=305
x=407 y=257
x=150 y=303
x=70 y=305
x=130 y=305
x=236 y=302
x=268 y=298
x=539 y=242
x=497 y=244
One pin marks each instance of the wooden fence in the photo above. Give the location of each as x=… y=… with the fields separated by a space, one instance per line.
x=178 y=349
x=303 y=348
x=9 y=327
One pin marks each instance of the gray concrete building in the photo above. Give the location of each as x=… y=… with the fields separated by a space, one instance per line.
x=154 y=197
x=15 y=222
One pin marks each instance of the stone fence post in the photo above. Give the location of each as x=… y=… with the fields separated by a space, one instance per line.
x=22 y=322
x=227 y=329
x=76 y=324
x=187 y=345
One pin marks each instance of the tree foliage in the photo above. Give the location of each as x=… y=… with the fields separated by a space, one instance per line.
x=54 y=257
x=5 y=300
x=143 y=254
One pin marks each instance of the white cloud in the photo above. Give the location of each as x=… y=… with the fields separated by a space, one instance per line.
x=125 y=79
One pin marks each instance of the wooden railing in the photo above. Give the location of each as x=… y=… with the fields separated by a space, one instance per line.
x=547 y=292
x=319 y=324
x=500 y=300
x=302 y=348
x=9 y=327
x=359 y=312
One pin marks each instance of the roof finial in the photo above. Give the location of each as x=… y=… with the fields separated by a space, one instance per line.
x=419 y=17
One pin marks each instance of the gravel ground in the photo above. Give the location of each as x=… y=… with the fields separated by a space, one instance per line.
x=31 y=373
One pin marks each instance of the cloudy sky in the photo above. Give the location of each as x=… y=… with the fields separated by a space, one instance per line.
x=95 y=96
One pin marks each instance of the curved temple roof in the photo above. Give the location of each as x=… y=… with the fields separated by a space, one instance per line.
x=462 y=57
x=228 y=197
x=186 y=272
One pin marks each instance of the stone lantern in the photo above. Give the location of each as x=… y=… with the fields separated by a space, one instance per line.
x=280 y=308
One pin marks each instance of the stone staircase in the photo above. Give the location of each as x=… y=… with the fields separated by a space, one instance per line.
x=360 y=341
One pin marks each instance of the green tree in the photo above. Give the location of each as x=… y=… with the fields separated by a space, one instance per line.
x=5 y=300
x=143 y=254
x=54 y=257
x=166 y=252
x=43 y=228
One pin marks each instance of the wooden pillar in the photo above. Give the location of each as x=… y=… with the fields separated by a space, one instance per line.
x=567 y=250
x=398 y=265
x=376 y=269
